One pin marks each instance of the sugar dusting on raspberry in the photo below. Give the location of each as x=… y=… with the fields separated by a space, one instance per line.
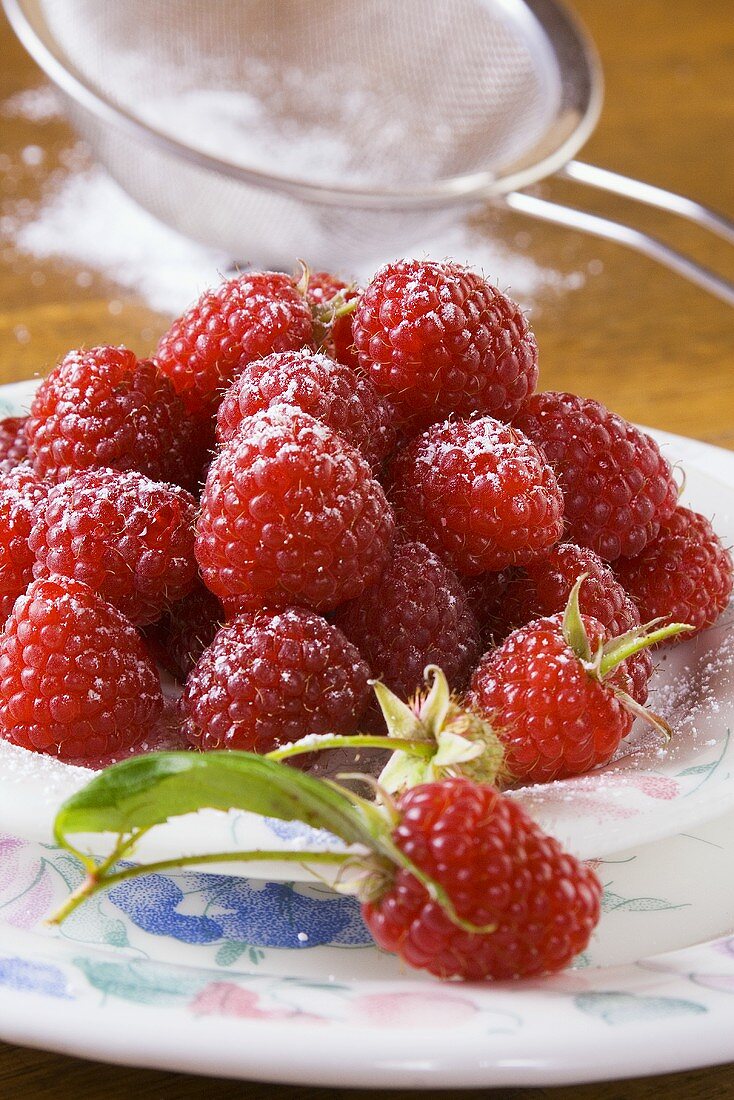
x=128 y=537
x=270 y=678
x=75 y=681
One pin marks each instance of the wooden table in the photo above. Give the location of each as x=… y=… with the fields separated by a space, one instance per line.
x=651 y=346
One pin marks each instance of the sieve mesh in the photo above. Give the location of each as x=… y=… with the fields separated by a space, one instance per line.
x=367 y=123
x=367 y=93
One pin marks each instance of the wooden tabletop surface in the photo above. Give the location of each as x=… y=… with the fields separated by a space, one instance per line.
x=637 y=337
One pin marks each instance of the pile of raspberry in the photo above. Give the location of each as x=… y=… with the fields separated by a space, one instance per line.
x=310 y=486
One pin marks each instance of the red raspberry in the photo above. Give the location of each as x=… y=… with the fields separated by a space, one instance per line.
x=547 y=584
x=13 y=442
x=322 y=287
x=478 y=493
x=497 y=868
x=617 y=486
x=164 y=735
x=103 y=407
x=243 y=319
x=544 y=586
x=416 y=614
x=325 y=389
x=129 y=538
x=183 y=633
x=554 y=718
x=438 y=339
x=20 y=492
x=684 y=575
x=291 y=514
x=272 y=677
x=75 y=681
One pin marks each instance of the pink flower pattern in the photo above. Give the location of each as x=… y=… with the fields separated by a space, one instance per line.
x=228 y=999
x=26 y=890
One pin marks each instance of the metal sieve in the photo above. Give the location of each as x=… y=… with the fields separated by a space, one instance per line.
x=339 y=130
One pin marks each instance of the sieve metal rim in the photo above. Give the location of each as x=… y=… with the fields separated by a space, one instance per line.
x=562 y=28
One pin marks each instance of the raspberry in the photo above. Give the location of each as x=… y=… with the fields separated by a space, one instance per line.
x=617 y=486
x=327 y=390
x=270 y=678
x=13 y=442
x=478 y=493
x=129 y=538
x=74 y=678
x=683 y=575
x=164 y=735
x=322 y=287
x=554 y=718
x=438 y=339
x=103 y=407
x=183 y=633
x=545 y=589
x=545 y=585
x=244 y=318
x=640 y=668
x=416 y=614
x=497 y=868
x=291 y=514
x=20 y=492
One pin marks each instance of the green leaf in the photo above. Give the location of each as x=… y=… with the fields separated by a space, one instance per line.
x=148 y=790
x=230 y=952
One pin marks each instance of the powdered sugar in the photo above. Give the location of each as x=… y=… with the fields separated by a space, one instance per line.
x=89 y=221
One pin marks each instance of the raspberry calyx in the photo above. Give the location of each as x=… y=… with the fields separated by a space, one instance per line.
x=431 y=737
x=463 y=743
x=610 y=654
x=326 y=312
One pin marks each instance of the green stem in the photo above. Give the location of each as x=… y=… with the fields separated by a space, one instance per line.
x=344 y=308
x=354 y=741
x=618 y=653
x=100 y=881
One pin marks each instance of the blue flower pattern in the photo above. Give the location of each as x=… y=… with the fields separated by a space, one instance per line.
x=31 y=977
x=269 y=914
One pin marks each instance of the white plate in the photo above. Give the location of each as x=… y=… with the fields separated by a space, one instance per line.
x=184 y=972
x=648 y=793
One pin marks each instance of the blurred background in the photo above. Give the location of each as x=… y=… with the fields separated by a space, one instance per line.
x=81 y=263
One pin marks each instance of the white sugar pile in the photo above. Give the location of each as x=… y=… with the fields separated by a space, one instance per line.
x=41 y=104
x=90 y=222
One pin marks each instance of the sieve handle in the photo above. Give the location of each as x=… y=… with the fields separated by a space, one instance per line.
x=650 y=195
x=626 y=235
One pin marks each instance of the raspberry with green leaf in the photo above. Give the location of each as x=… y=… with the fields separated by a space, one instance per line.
x=558 y=693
